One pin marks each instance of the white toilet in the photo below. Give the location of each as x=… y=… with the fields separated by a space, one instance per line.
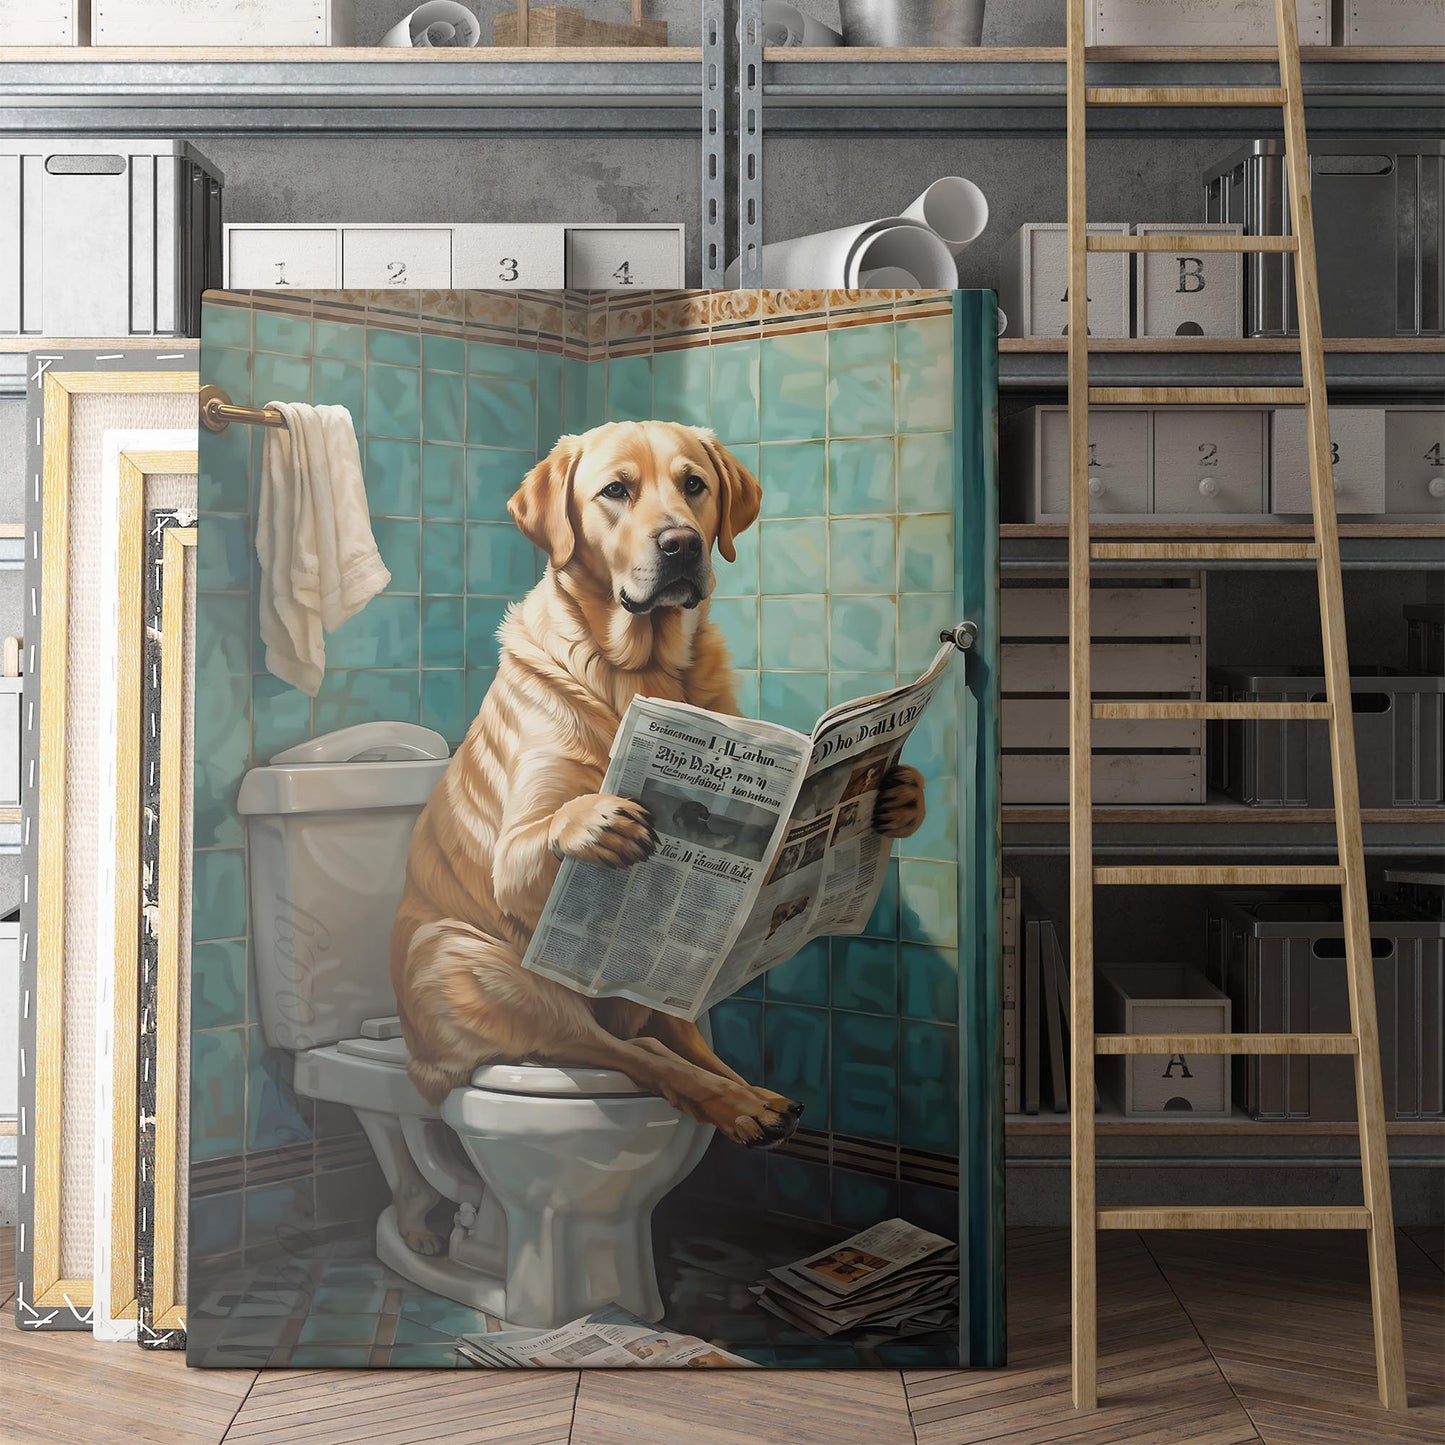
x=559 y=1170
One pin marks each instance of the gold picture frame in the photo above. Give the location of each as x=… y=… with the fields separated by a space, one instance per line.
x=55 y=1289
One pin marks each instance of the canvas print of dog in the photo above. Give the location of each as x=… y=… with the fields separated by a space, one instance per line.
x=628 y=515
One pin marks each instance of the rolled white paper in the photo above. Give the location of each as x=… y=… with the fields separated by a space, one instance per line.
x=438 y=25
x=954 y=208
x=786 y=25
x=840 y=258
x=888 y=278
x=1002 y=321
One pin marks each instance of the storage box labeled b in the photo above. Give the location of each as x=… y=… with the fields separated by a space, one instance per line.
x=1150 y=998
x=1189 y=293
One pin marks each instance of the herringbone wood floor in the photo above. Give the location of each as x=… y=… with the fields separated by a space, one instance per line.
x=1204 y=1340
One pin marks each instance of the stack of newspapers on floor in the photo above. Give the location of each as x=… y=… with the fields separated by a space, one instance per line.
x=893 y=1279
x=610 y=1339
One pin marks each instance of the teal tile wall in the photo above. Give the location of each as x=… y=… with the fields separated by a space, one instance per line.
x=840 y=589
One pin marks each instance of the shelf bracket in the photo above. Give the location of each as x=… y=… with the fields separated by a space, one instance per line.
x=750 y=143
x=714 y=141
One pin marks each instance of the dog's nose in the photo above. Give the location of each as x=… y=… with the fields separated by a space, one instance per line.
x=680 y=542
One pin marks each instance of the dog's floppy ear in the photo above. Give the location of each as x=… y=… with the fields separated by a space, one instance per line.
x=740 y=496
x=542 y=506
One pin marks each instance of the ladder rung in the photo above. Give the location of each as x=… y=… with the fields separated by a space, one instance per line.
x=1205 y=551
x=1266 y=1044
x=1227 y=876
x=1186 y=241
x=1198 y=395
x=1185 y=95
x=1162 y=711
x=1224 y=1217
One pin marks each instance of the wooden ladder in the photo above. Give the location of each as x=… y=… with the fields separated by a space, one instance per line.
x=1376 y=1217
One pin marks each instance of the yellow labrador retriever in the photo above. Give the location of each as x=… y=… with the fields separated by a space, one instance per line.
x=628 y=515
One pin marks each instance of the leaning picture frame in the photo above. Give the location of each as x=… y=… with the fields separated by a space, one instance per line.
x=141 y=469
x=75 y=399
x=162 y=931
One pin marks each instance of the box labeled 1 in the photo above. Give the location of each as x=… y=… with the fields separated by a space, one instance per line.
x=1189 y=293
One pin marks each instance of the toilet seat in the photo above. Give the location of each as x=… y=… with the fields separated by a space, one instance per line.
x=541 y=1081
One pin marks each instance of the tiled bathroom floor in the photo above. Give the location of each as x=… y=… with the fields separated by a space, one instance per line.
x=335 y=1305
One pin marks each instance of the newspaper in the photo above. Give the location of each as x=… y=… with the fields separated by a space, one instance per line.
x=609 y=1339
x=894 y=1278
x=766 y=842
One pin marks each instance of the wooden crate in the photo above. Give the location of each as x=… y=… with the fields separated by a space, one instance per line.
x=555 y=26
x=1148 y=635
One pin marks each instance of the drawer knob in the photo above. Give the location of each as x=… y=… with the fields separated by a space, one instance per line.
x=1096 y=486
x=1436 y=487
x=1208 y=487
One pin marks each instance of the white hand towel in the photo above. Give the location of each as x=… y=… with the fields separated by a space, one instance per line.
x=319 y=562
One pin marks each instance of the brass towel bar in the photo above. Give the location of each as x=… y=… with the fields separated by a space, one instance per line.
x=218 y=411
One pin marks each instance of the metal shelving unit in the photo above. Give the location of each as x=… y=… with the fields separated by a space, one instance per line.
x=323 y=91
x=1021 y=91
x=1357 y=369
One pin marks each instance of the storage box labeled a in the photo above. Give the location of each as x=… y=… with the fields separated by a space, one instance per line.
x=1148 y=642
x=1150 y=998
x=1357 y=451
x=220 y=22
x=1201 y=22
x=1389 y=22
x=106 y=237
x=1399 y=739
x=1189 y=293
x=1377 y=216
x=1281 y=959
x=1033 y=290
x=42 y=22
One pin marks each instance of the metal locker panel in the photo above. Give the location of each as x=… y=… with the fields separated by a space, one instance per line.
x=147 y=207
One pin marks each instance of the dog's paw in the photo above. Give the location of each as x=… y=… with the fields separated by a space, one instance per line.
x=603 y=829
x=421 y=1240
x=899 y=811
x=768 y=1119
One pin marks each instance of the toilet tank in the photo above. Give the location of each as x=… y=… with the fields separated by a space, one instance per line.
x=328 y=824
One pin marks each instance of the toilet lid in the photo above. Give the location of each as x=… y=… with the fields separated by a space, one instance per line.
x=539 y=1080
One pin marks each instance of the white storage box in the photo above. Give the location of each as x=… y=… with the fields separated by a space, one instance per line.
x=43 y=22
x=490 y=258
x=1389 y=22
x=1357 y=444
x=1033 y=289
x=1036 y=463
x=1208 y=462
x=1415 y=460
x=106 y=237
x=615 y=257
x=1202 y=22
x=1151 y=998
x=404 y=257
x=12 y=691
x=1198 y=293
x=220 y=22
x=305 y=257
